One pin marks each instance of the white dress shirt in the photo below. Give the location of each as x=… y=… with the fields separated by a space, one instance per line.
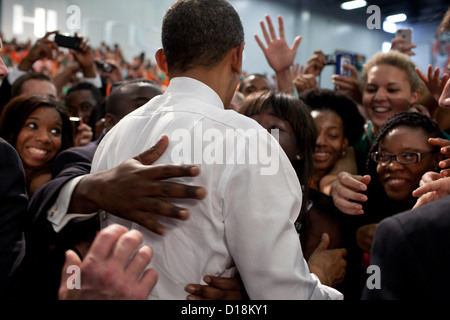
x=246 y=220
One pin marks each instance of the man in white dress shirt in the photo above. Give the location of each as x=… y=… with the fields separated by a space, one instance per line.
x=246 y=220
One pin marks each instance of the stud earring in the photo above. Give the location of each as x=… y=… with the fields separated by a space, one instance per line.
x=297 y=157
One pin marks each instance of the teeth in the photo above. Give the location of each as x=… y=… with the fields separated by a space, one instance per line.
x=396 y=181
x=319 y=154
x=381 y=110
x=38 y=152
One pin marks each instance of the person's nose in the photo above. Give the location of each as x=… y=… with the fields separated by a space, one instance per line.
x=320 y=141
x=43 y=136
x=380 y=95
x=394 y=165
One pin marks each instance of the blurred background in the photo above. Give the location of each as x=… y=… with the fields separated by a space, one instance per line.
x=325 y=25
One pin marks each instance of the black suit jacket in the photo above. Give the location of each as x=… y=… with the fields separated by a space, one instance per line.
x=412 y=251
x=70 y=163
x=46 y=248
x=13 y=205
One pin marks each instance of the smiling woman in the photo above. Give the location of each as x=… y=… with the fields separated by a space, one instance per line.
x=38 y=128
x=399 y=157
x=390 y=85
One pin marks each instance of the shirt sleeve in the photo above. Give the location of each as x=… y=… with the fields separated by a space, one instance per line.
x=261 y=234
x=14 y=74
x=97 y=81
x=57 y=215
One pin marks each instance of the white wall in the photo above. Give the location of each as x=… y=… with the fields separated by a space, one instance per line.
x=136 y=25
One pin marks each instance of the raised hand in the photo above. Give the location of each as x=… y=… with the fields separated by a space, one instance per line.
x=433 y=82
x=42 y=49
x=350 y=85
x=278 y=54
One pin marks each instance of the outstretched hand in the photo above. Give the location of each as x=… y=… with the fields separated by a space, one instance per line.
x=115 y=268
x=346 y=188
x=433 y=82
x=278 y=54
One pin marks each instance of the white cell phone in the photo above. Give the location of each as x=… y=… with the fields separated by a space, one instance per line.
x=405 y=33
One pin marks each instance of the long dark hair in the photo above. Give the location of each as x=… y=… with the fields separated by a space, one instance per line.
x=298 y=114
x=18 y=110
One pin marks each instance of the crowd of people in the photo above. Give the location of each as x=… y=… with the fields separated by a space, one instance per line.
x=97 y=170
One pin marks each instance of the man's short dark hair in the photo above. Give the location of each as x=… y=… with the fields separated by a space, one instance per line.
x=199 y=33
x=16 y=87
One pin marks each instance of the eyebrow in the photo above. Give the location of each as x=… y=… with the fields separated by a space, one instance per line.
x=39 y=119
x=408 y=149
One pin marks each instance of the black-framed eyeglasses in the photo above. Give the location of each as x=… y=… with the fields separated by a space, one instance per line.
x=402 y=157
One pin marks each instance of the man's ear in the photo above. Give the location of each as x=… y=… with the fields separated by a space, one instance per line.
x=236 y=59
x=109 y=121
x=161 y=61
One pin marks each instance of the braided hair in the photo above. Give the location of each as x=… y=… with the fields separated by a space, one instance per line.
x=409 y=119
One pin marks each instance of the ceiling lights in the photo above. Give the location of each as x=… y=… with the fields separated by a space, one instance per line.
x=350 y=5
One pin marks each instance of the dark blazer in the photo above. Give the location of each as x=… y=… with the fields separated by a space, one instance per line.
x=13 y=205
x=413 y=253
x=46 y=248
x=70 y=163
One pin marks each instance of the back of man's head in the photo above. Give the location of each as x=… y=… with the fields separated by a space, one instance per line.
x=199 y=33
x=127 y=97
x=33 y=83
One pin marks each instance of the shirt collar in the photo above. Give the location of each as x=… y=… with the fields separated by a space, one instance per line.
x=191 y=86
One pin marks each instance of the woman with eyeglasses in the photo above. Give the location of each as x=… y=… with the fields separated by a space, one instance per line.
x=399 y=157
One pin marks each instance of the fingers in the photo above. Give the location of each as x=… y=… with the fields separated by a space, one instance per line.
x=175 y=190
x=353 y=71
x=445 y=173
x=421 y=75
x=271 y=28
x=197 y=291
x=261 y=45
x=348 y=207
x=139 y=262
x=224 y=283
x=49 y=33
x=440 y=143
x=347 y=189
x=427 y=198
x=425 y=188
x=166 y=171
x=324 y=243
x=151 y=155
x=218 y=288
x=148 y=282
x=264 y=31
x=104 y=242
x=125 y=246
x=281 y=27
x=296 y=43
